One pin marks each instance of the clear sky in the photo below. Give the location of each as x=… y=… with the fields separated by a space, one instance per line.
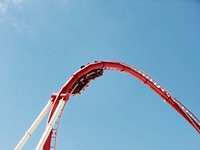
x=42 y=43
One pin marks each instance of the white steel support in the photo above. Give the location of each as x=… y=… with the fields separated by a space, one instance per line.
x=34 y=126
x=51 y=123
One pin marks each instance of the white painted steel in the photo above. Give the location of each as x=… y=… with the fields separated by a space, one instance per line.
x=50 y=125
x=34 y=126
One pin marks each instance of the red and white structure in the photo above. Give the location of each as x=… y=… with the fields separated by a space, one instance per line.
x=80 y=80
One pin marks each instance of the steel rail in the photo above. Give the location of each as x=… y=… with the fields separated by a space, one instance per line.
x=80 y=79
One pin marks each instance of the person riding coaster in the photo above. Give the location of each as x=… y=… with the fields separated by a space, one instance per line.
x=83 y=82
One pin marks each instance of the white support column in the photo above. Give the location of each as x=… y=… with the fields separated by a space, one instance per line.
x=50 y=125
x=34 y=126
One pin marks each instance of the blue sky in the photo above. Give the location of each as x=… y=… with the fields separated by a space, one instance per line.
x=42 y=43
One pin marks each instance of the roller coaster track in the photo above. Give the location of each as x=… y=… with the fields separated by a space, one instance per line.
x=81 y=79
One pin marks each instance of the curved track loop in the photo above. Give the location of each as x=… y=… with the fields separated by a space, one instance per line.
x=80 y=79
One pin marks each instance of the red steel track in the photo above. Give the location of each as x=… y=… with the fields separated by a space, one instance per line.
x=80 y=79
